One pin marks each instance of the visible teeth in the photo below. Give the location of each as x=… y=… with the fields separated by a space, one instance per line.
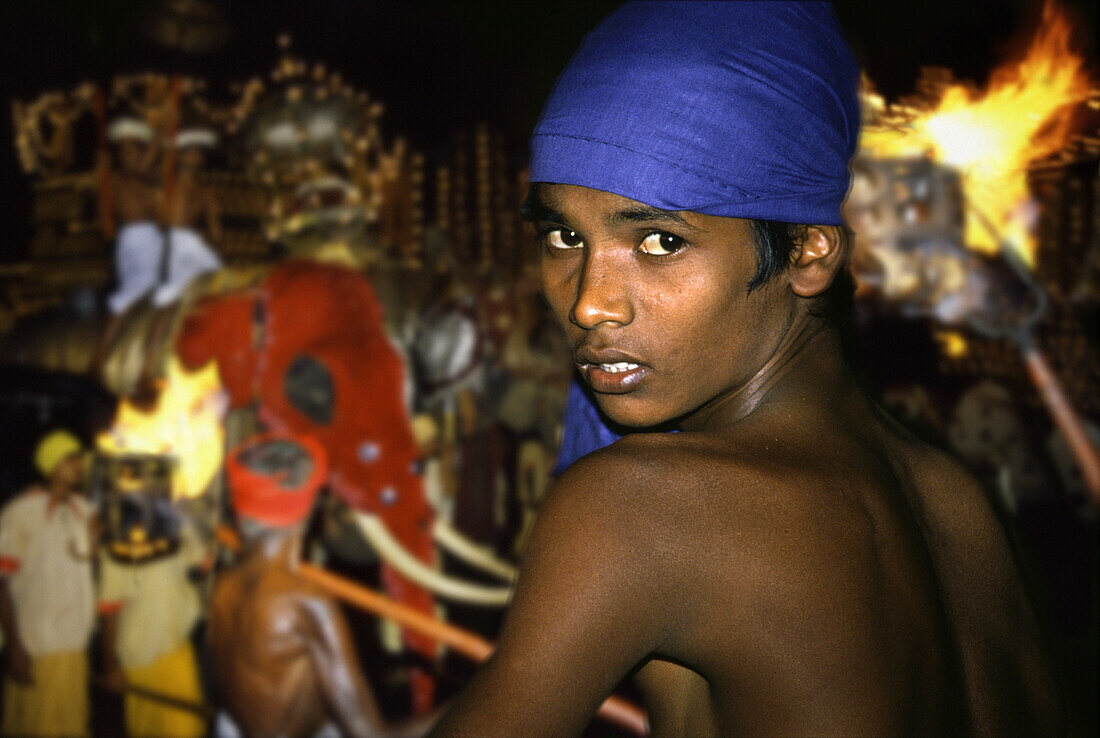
x=622 y=366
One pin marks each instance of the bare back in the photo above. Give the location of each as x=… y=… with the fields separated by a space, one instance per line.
x=804 y=571
x=258 y=635
x=867 y=589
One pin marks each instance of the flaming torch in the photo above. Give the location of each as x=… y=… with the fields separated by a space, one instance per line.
x=152 y=457
x=942 y=212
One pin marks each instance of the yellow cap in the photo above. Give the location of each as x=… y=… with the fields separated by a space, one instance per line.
x=54 y=448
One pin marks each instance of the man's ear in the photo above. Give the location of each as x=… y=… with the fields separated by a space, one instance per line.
x=820 y=256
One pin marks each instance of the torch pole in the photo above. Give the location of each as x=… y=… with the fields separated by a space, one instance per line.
x=614 y=709
x=165 y=699
x=1065 y=417
x=1043 y=377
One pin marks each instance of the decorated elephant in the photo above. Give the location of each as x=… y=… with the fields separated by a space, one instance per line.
x=305 y=346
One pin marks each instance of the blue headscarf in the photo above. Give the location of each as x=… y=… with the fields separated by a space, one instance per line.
x=738 y=109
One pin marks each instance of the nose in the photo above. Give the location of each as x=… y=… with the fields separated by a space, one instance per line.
x=603 y=294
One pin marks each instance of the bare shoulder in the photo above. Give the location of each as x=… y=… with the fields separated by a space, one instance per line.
x=948 y=496
x=726 y=479
x=701 y=511
x=642 y=483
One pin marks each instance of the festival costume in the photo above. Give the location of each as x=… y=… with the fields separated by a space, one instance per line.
x=735 y=109
x=140 y=263
x=189 y=256
x=56 y=704
x=289 y=344
x=157 y=609
x=137 y=263
x=44 y=555
x=132 y=129
x=175 y=673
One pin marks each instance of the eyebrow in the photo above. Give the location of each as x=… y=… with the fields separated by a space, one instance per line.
x=648 y=215
x=534 y=208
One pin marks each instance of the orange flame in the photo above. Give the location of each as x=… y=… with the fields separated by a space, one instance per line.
x=185 y=423
x=990 y=136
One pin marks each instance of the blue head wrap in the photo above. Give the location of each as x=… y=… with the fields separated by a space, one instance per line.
x=739 y=109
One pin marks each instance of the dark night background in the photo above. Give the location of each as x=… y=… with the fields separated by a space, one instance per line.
x=441 y=66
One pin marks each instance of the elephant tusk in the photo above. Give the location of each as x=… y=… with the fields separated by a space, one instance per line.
x=471 y=553
x=393 y=553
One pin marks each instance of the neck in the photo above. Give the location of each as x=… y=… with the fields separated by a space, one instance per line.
x=808 y=355
x=275 y=544
x=59 y=491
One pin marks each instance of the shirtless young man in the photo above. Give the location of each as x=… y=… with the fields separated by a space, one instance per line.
x=134 y=204
x=792 y=562
x=280 y=646
x=192 y=215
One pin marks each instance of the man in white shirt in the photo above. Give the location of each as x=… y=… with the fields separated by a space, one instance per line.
x=47 y=605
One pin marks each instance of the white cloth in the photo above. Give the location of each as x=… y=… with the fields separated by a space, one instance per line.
x=45 y=552
x=157 y=604
x=189 y=257
x=224 y=727
x=137 y=263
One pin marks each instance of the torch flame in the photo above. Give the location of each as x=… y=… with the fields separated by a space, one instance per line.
x=991 y=136
x=185 y=423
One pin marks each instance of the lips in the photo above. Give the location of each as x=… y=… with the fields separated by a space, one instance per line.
x=610 y=371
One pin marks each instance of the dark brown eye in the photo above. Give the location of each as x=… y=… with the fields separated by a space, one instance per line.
x=560 y=238
x=661 y=244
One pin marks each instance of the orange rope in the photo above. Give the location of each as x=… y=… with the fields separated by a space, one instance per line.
x=614 y=709
x=106 y=204
x=170 y=156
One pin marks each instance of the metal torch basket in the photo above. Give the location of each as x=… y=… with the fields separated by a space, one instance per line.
x=134 y=496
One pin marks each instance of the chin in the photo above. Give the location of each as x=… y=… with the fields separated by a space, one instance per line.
x=632 y=412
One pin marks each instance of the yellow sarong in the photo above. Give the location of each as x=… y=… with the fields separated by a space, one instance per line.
x=56 y=704
x=174 y=674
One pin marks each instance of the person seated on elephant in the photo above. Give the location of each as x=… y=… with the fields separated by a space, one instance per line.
x=280 y=646
x=192 y=216
x=134 y=188
x=791 y=562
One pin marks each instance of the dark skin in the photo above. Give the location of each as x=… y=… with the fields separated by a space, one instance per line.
x=192 y=202
x=134 y=199
x=282 y=649
x=135 y=191
x=793 y=562
x=65 y=480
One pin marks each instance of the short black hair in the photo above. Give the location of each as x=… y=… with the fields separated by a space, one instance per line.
x=776 y=244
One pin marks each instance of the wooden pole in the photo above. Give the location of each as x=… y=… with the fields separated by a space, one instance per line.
x=1065 y=418
x=165 y=699
x=106 y=196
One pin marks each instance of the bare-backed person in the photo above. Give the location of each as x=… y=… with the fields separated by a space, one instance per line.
x=281 y=649
x=792 y=562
